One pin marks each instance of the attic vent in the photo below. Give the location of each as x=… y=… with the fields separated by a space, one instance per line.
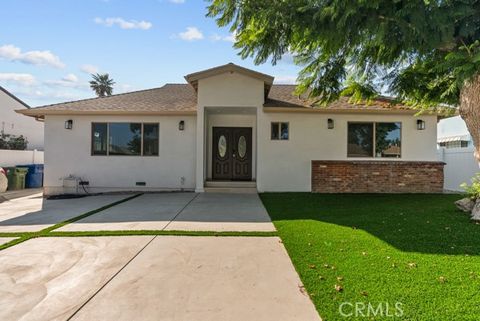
x=140 y=183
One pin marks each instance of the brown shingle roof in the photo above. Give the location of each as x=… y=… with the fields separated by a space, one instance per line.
x=169 y=98
x=283 y=96
x=181 y=98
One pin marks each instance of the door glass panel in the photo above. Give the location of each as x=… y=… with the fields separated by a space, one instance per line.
x=242 y=146
x=222 y=146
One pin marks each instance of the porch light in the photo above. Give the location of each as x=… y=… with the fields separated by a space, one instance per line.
x=330 y=123
x=69 y=124
x=420 y=124
x=181 y=125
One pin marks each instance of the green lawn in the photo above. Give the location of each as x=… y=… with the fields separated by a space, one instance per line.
x=415 y=250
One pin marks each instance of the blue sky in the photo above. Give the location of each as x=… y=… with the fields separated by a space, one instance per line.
x=49 y=47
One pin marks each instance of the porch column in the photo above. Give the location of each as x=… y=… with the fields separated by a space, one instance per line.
x=200 y=150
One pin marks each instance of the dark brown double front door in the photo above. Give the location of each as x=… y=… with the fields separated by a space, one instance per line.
x=232 y=153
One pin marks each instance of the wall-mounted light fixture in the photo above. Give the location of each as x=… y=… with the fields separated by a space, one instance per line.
x=69 y=124
x=420 y=124
x=330 y=123
x=181 y=125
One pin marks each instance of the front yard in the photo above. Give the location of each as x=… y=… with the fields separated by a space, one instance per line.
x=382 y=257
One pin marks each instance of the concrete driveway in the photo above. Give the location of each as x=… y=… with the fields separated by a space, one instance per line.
x=181 y=211
x=34 y=213
x=151 y=278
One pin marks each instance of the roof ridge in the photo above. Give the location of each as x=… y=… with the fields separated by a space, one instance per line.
x=94 y=98
x=14 y=97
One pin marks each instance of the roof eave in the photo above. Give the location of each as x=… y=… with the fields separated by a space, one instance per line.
x=336 y=111
x=42 y=113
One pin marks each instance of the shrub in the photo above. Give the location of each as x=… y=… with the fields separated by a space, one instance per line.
x=473 y=190
x=8 y=141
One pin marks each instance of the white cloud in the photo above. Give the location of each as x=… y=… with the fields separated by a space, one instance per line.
x=124 y=88
x=36 y=57
x=215 y=37
x=177 y=1
x=70 y=78
x=89 y=69
x=230 y=38
x=22 y=79
x=124 y=24
x=191 y=34
x=68 y=81
x=48 y=96
x=287 y=80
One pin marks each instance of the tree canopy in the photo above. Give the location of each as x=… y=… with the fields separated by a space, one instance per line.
x=421 y=52
x=102 y=85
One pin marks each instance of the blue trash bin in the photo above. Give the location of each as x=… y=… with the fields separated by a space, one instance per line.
x=34 y=177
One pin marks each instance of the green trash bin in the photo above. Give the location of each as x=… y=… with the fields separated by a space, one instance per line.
x=9 y=171
x=16 y=177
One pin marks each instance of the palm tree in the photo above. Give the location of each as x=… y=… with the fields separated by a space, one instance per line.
x=102 y=85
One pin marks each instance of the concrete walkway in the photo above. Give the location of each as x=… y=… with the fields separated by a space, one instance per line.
x=151 y=278
x=181 y=212
x=34 y=213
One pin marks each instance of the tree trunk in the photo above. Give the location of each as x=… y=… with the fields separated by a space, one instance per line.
x=470 y=110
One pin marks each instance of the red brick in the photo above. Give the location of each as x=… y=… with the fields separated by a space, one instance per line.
x=377 y=177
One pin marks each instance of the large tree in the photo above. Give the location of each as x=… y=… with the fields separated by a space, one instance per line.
x=102 y=85
x=424 y=52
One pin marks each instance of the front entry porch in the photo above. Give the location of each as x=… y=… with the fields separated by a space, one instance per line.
x=229 y=150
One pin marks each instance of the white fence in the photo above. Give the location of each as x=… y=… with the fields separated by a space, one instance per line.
x=20 y=157
x=460 y=166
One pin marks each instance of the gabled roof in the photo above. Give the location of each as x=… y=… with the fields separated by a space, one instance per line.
x=193 y=78
x=182 y=99
x=14 y=97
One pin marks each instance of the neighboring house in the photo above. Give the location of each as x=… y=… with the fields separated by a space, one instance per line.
x=453 y=133
x=457 y=151
x=14 y=124
x=232 y=127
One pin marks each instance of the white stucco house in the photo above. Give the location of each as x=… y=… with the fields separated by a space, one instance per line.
x=12 y=123
x=231 y=127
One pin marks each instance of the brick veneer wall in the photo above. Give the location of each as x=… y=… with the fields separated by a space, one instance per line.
x=377 y=177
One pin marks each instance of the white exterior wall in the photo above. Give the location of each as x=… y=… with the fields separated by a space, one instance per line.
x=16 y=124
x=69 y=152
x=229 y=99
x=285 y=165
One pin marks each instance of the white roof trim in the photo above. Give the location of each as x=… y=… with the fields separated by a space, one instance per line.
x=453 y=139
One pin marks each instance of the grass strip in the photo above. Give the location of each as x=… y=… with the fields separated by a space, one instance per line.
x=16 y=234
x=79 y=217
x=159 y=232
x=22 y=237
x=15 y=242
